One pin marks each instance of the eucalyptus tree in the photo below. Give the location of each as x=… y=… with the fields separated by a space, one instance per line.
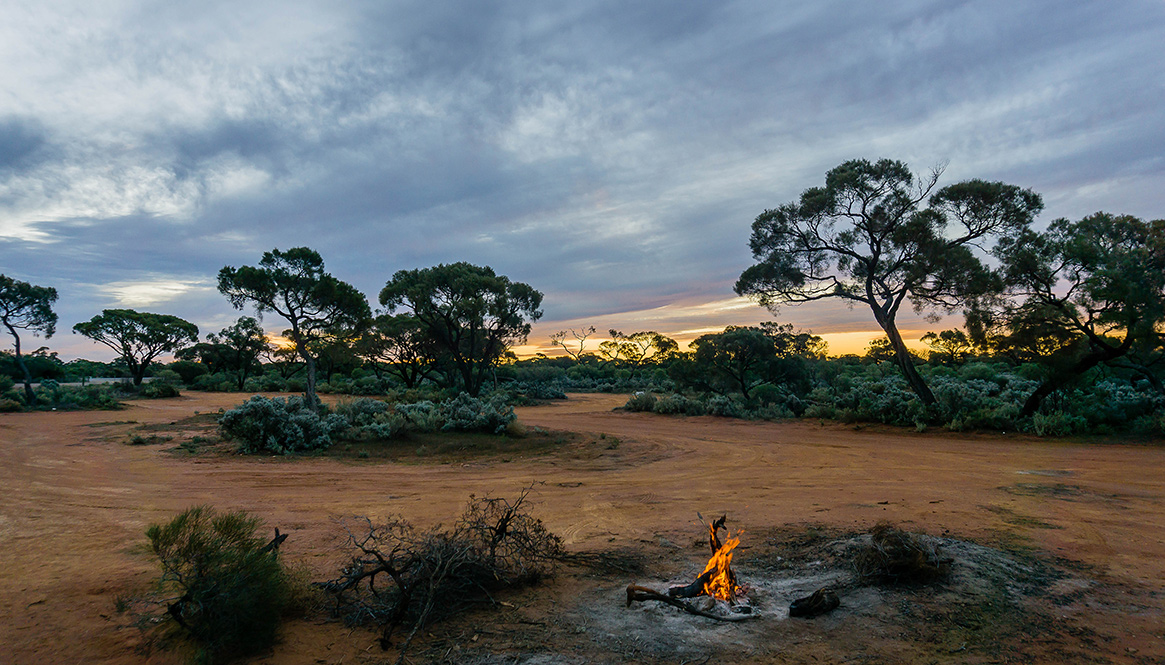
x=138 y=337
x=294 y=285
x=24 y=306
x=473 y=314
x=1078 y=295
x=400 y=345
x=637 y=349
x=234 y=349
x=877 y=235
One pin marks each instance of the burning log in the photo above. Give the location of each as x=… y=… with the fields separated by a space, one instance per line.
x=716 y=581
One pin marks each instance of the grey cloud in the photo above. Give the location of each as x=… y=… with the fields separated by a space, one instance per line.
x=611 y=155
x=23 y=143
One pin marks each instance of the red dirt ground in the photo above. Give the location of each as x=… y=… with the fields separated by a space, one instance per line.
x=75 y=501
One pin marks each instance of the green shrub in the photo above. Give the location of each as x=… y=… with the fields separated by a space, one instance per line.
x=231 y=588
x=263 y=425
x=10 y=406
x=1057 y=423
x=369 y=418
x=640 y=401
x=471 y=414
x=158 y=389
x=422 y=416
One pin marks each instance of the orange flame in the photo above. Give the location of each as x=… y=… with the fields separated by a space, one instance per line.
x=722 y=584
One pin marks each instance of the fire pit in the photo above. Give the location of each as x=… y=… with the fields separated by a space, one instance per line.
x=717 y=592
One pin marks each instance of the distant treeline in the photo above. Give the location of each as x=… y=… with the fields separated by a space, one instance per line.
x=1063 y=327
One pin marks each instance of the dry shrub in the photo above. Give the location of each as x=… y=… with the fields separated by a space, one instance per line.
x=897 y=557
x=403 y=577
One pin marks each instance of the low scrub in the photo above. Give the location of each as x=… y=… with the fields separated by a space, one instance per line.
x=400 y=576
x=228 y=587
x=279 y=426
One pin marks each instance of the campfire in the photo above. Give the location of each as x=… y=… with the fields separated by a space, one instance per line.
x=718 y=582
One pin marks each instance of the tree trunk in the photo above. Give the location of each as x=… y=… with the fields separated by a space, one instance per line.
x=902 y=357
x=29 y=395
x=1060 y=379
x=309 y=390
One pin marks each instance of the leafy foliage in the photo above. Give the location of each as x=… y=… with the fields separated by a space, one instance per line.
x=470 y=414
x=234 y=350
x=278 y=426
x=1079 y=295
x=231 y=588
x=293 y=284
x=470 y=312
x=138 y=337
x=24 y=306
x=865 y=237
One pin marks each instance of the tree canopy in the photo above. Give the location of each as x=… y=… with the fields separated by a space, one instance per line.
x=138 y=337
x=293 y=285
x=637 y=349
x=401 y=345
x=470 y=312
x=877 y=235
x=24 y=306
x=233 y=350
x=1077 y=295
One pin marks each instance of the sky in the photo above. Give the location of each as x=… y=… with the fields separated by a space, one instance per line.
x=612 y=155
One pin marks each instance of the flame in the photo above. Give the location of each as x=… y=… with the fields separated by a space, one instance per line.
x=722 y=584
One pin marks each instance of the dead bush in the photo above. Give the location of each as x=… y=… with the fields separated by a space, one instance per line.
x=897 y=557
x=403 y=577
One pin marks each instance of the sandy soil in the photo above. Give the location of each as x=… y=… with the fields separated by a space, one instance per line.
x=76 y=501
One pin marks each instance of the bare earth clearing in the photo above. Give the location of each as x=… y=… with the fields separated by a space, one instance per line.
x=1083 y=527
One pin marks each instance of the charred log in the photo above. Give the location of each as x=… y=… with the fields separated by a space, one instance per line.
x=640 y=594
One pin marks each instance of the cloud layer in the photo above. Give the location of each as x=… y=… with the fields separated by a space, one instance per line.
x=611 y=156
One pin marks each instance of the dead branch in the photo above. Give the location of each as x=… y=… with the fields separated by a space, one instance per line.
x=494 y=545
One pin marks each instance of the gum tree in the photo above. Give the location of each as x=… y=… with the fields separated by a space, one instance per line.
x=1078 y=295
x=473 y=314
x=235 y=349
x=878 y=236
x=138 y=337
x=293 y=285
x=27 y=307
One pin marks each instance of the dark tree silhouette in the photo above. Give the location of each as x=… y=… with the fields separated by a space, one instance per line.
x=27 y=307
x=293 y=284
x=138 y=337
x=1079 y=295
x=472 y=314
x=866 y=237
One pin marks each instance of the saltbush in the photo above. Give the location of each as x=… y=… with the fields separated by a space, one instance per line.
x=275 y=425
x=369 y=418
x=422 y=416
x=640 y=401
x=471 y=414
x=231 y=590
x=1057 y=423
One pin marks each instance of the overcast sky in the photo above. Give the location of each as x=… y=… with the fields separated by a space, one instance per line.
x=612 y=155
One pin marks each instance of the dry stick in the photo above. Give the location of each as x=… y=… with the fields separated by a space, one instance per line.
x=641 y=593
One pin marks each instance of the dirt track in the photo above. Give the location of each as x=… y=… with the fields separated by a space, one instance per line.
x=76 y=500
